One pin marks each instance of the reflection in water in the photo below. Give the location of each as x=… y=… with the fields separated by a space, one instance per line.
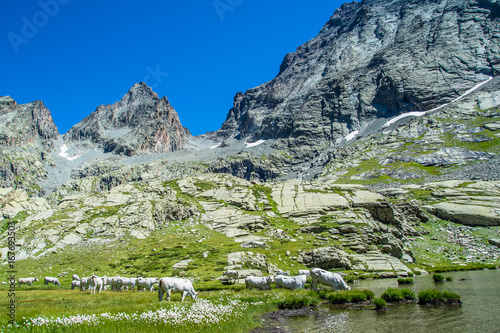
x=480 y=292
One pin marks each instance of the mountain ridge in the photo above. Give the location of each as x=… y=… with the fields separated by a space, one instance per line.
x=140 y=122
x=371 y=60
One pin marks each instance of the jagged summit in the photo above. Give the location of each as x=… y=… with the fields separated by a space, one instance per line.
x=140 y=122
x=139 y=92
x=26 y=124
x=371 y=60
x=7 y=101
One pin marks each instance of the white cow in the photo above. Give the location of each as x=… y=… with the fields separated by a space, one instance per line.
x=75 y=284
x=47 y=280
x=113 y=282
x=290 y=282
x=305 y=272
x=126 y=282
x=175 y=285
x=95 y=283
x=146 y=283
x=75 y=277
x=232 y=275
x=263 y=283
x=28 y=281
x=84 y=283
x=105 y=280
x=334 y=280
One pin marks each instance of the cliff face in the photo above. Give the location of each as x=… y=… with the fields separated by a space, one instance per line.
x=27 y=124
x=373 y=59
x=140 y=122
x=27 y=134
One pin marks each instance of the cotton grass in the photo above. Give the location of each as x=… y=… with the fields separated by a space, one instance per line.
x=202 y=313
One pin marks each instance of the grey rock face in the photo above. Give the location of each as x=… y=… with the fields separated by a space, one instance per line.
x=27 y=132
x=140 y=122
x=325 y=258
x=373 y=59
x=26 y=124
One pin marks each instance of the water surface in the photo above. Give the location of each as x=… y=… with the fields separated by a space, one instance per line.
x=480 y=311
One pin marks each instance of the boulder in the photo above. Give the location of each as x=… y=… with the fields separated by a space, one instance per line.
x=492 y=126
x=325 y=258
x=182 y=264
x=348 y=229
x=495 y=242
x=249 y=272
x=254 y=244
x=473 y=215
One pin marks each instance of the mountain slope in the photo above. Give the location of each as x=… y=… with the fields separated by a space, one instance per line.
x=140 y=122
x=28 y=124
x=27 y=134
x=374 y=59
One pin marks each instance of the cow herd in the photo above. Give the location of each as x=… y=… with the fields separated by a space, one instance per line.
x=318 y=276
x=167 y=285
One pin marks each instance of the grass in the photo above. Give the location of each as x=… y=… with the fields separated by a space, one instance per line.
x=438 y=278
x=349 y=296
x=393 y=295
x=380 y=304
x=432 y=296
x=295 y=302
x=235 y=310
x=405 y=281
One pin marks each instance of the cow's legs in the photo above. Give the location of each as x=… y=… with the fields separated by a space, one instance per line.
x=160 y=292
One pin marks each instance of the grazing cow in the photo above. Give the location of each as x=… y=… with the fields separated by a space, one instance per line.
x=47 y=280
x=175 y=285
x=113 y=282
x=334 y=280
x=232 y=275
x=305 y=272
x=105 y=280
x=290 y=282
x=126 y=283
x=84 y=283
x=263 y=283
x=95 y=283
x=75 y=277
x=28 y=281
x=283 y=273
x=146 y=283
x=75 y=284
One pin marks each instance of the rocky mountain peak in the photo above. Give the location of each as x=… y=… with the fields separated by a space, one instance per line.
x=138 y=93
x=372 y=59
x=7 y=101
x=26 y=124
x=140 y=122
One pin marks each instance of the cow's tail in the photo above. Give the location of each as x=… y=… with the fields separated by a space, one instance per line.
x=160 y=290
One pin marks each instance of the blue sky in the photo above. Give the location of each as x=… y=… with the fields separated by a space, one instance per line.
x=76 y=55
